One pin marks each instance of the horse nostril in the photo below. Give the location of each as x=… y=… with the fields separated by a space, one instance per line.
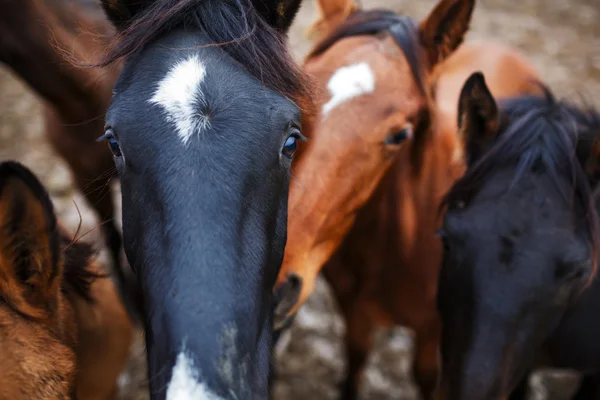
x=295 y=281
x=286 y=297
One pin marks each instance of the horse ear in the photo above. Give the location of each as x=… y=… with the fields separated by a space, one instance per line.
x=278 y=13
x=122 y=12
x=332 y=13
x=478 y=119
x=444 y=29
x=30 y=262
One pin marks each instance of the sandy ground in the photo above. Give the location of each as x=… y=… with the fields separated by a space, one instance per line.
x=563 y=40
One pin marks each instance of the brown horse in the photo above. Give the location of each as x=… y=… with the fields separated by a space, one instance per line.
x=63 y=331
x=43 y=42
x=381 y=157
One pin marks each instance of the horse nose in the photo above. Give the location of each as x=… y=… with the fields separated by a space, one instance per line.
x=286 y=297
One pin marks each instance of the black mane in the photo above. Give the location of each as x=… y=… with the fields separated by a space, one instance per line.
x=235 y=25
x=540 y=132
x=78 y=276
x=373 y=22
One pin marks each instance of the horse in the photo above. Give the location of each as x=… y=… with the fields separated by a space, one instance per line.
x=382 y=154
x=203 y=125
x=518 y=284
x=63 y=331
x=44 y=42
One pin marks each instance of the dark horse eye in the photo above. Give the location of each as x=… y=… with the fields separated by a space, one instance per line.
x=113 y=143
x=291 y=144
x=114 y=147
x=400 y=136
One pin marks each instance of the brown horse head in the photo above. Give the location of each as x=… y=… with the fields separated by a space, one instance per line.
x=37 y=330
x=45 y=300
x=374 y=71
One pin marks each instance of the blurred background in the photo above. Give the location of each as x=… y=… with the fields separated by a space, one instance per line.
x=562 y=38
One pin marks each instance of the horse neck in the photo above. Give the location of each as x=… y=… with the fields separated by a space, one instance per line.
x=34 y=46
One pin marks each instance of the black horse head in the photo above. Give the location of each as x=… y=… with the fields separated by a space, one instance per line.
x=203 y=125
x=520 y=237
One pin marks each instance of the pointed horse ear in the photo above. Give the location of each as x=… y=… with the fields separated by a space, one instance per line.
x=445 y=28
x=478 y=117
x=278 y=13
x=332 y=13
x=122 y=12
x=30 y=255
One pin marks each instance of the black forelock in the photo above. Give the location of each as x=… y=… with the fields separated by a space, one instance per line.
x=233 y=25
x=77 y=272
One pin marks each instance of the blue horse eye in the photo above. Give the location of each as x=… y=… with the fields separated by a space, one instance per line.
x=114 y=146
x=290 y=146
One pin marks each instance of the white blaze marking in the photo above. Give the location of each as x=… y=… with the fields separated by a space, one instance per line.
x=180 y=96
x=348 y=82
x=184 y=383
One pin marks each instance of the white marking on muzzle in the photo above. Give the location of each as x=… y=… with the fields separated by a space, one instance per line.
x=181 y=97
x=349 y=82
x=185 y=384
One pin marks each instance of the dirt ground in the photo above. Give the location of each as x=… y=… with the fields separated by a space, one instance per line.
x=563 y=40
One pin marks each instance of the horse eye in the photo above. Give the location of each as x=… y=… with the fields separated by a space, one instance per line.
x=400 y=136
x=114 y=147
x=113 y=143
x=291 y=144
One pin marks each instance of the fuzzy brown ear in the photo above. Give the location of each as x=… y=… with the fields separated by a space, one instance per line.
x=122 y=12
x=331 y=14
x=30 y=260
x=444 y=29
x=478 y=117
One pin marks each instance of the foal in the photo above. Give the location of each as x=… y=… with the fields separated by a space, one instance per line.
x=40 y=42
x=521 y=246
x=63 y=331
x=383 y=153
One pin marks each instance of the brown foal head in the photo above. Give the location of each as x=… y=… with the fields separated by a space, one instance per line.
x=373 y=70
x=39 y=271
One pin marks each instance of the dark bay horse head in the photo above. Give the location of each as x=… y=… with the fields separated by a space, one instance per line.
x=60 y=318
x=203 y=126
x=520 y=236
x=38 y=332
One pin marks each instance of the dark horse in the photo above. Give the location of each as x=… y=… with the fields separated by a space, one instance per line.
x=203 y=124
x=518 y=284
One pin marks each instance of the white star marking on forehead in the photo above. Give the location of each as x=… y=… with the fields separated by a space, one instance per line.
x=184 y=383
x=181 y=97
x=349 y=82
